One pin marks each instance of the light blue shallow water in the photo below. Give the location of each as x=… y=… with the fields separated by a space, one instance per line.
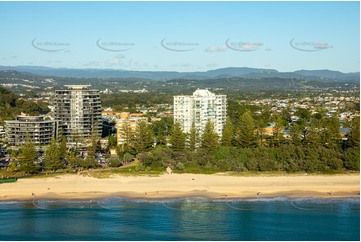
x=195 y=218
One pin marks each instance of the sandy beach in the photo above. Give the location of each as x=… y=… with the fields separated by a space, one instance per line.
x=181 y=185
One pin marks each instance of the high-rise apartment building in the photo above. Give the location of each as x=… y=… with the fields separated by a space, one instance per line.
x=199 y=108
x=37 y=128
x=78 y=110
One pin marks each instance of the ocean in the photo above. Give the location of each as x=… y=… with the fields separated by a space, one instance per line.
x=192 y=218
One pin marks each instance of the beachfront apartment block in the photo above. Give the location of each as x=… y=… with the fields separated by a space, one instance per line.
x=78 y=110
x=126 y=126
x=198 y=109
x=37 y=128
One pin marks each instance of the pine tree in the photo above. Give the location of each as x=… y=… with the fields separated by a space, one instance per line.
x=112 y=142
x=95 y=143
x=27 y=157
x=228 y=131
x=245 y=136
x=63 y=148
x=193 y=137
x=128 y=134
x=144 y=138
x=210 y=138
x=53 y=154
x=296 y=134
x=354 y=135
x=331 y=136
x=312 y=136
x=277 y=130
x=177 y=138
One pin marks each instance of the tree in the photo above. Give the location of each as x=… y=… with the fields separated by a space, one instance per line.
x=330 y=135
x=209 y=138
x=312 y=135
x=62 y=148
x=73 y=160
x=193 y=138
x=304 y=115
x=351 y=159
x=354 y=135
x=245 y=136
x=89 y=162
x=227 y=135
x=296 y=134
x=95 y=143
x=144 y=138
x=177 y=138
x=161 y=130
x=128 y=134
x=261 y=124
x=277 y=130
x=127 y=157
x=112 y=141
x=27 y=157
x=52 y=156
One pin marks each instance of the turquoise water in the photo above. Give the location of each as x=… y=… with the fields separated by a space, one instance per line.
x=193 y=218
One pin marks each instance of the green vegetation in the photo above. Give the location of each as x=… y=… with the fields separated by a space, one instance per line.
x=25 y=160
x=11 y=105
x=314 y=146
x=53 y=156
x=286 y=158
x=8 y=180
x=314 y=143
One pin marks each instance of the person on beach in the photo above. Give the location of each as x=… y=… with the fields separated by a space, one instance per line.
x=169 y=170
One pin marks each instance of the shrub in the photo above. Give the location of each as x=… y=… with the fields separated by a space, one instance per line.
x=180 y=166
x=252 y=164
x=351 y=159
x=114 y=162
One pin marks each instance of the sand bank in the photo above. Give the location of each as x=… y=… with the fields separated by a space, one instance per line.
x=181 y=185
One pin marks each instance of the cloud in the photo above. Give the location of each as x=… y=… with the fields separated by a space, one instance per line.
x=54 y=61
x=215 y=48
x=10 y=57
x=116 y=60
x=113 y=61
x=183 y=65
x=92 y=63
x=211 y=65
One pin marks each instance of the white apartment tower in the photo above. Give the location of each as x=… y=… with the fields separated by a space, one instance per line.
x=78 y=110
x=199 y=108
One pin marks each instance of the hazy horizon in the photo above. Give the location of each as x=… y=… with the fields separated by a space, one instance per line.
x=185 y=71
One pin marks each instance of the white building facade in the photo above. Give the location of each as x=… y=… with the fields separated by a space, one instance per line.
x=199 y=108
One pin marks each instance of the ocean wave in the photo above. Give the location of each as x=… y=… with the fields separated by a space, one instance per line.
x=193 y=203
x=11 y=202
x=115 y=202
x=49 y=204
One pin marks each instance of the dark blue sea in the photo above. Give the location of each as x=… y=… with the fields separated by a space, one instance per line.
x=193 y=218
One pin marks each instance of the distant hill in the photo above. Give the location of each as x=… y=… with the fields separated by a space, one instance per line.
x=246 y=72
x=31 y=84
x=328 y=74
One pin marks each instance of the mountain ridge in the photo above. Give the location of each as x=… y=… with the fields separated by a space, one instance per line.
x=247 y=72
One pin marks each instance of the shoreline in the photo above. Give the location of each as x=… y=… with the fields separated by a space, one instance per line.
x=175 y=186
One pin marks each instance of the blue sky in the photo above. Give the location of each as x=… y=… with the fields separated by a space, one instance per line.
x=181 y=36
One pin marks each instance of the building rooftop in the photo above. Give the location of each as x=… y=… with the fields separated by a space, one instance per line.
x=29 y=119
x=203 y=93
x=77 y=87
